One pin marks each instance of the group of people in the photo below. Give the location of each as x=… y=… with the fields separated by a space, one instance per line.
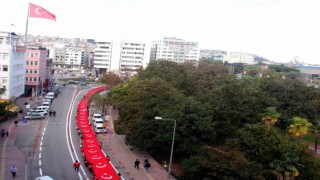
x=52 y=113
x=146 y=166
x=3 y=133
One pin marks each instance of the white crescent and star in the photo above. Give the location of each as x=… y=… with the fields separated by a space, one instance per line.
x=39 y=11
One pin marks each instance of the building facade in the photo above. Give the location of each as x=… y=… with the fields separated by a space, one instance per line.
x=35 y=70
x=131 y=56
x=239 y=57
x=12 y=65
x=173 y=49
x=102 y=56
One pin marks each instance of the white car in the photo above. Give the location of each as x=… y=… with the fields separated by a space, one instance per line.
x=35 y=116
x=97 y=121
x=44 y=178
x=96 y=115
x=99 y=128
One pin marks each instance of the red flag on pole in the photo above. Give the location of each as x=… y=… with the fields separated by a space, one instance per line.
x=39 y=12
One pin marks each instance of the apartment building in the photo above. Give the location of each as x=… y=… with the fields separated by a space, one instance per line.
x=103 y=56
x=68 y=58
x=12 y=65
x=131 y=56
x=35 y=70
x=174 y=49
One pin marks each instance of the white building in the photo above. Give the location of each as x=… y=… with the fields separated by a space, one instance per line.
x=173 y=49
x=12 y=65
x=132 y=55
x=69 y=58
x=103 y=56
x=239 y=57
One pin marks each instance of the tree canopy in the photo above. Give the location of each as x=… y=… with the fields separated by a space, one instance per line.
x=216 y=112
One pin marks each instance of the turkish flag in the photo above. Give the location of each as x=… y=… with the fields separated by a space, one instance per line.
x=39 y=12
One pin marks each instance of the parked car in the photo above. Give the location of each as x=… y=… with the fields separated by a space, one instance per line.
x=97 y=121
x=100 y=129
x=35 y=116
x=96 y=115
x=43 y=111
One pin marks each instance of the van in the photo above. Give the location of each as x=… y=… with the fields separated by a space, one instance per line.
x=50 y=94
x=47 y=104
x=100 y=129
x=42 y=108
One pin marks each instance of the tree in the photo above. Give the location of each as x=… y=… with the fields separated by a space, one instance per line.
x=286 y=167
x=101 y=103
x=270 y=116
x=111 y=79
x=315 y=131
x=220 y=163
x=299 y=127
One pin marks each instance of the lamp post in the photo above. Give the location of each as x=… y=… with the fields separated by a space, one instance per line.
x=172 y=144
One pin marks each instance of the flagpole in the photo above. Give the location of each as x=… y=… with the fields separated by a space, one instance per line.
x=26 y=34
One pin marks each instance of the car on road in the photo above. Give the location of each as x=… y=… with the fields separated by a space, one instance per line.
x=35 y=116
x=97 y=121
x=96 y=115
x=38 y=111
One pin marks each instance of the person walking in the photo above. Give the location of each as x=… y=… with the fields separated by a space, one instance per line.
x=54 y=113
x=147 y=165
x=76 y=165
x=2 y=132
x=50 y=113
x=16 y=123
x=13 y=170
x=7 y=133
x=136 y=164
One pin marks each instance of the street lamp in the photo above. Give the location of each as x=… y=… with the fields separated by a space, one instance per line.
x=172 y=144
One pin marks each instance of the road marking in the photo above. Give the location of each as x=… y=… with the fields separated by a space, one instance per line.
x=40 y=148
x=69 y=134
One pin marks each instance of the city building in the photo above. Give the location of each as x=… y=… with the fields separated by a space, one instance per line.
x=173 y=49
x=12 y=66
x=35 y=71
x=103 y=56
x=212 y=55
x=131 y=56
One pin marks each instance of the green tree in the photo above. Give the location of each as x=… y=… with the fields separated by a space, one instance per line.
x=101 y=103
x=111 y=79
x=299 y=126
x=270 y=116
x=286 y=168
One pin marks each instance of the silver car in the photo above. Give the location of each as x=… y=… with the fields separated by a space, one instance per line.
x=35 y=116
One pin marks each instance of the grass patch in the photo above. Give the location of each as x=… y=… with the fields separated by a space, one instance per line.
x=309 y=138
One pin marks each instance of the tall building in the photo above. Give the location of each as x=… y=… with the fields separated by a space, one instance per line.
x=12 y=65
x=131 y=56
x=173 y=49
x=35 y=70
x=102 y=56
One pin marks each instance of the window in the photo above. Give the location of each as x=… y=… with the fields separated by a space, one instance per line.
x=27 y=62
x=35 y=71
x=5 y=56
x=36 y=63
x=26 y=78
x=27 y=70
x=31 y=62
x=35 y=79
x=31 y=55
x=30 y=78
x=5 y=68
x=4 y=80
x=36 y=55
x=30 y=70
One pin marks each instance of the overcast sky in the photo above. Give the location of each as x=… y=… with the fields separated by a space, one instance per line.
x=275 y=29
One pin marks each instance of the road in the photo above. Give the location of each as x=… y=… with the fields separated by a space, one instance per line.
x=52 y=145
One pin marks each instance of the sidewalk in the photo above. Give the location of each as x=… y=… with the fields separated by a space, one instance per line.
x=123 y=156
x=10 y=154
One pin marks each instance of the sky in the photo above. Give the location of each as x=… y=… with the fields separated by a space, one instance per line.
x=278 y=30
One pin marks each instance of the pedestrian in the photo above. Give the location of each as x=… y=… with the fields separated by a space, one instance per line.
x=54 y=113
x=100 y=144
x=136 y=164
x=76 y=165
x=14 y=170
x=50 y=113
x=147 y=165
x=16 y=123
x=7 y=133
x=145 y=160
x=2 y=132
x=108 y=158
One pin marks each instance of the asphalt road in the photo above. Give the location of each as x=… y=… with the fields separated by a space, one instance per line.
x=52 y=145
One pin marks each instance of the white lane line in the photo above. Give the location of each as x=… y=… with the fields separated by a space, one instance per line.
x=40 y=149
x=68 y=124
